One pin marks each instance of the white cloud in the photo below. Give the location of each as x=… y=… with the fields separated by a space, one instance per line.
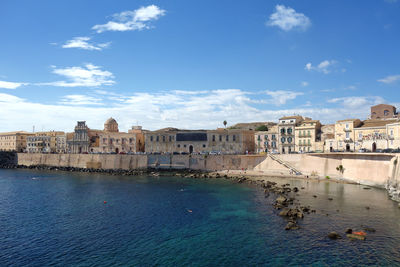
x=390 y=79
x=287 y=19
x=358 y=102
x=154 y=110
x=280 y=97
x=304 y=84
x=10 y=85
x=138 y=19
x=79 y=100
x=324 y=66
x=83 y=43
x=87 y=76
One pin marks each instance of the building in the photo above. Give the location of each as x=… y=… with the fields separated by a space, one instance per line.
x=308 y=136
x=344 y=135
x=286 y=131
x=393 y=135
x=109 y=140
x=225 y=141
x=13 y=141
x=43 y=142
x=80 y=139
x=61 y=143
x=383 y=112
x=372 y=135
x=266 y=141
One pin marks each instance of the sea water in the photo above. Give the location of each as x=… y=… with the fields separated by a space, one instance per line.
x=72 y=219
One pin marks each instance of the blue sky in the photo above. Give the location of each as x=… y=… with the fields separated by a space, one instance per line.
x=193 y=64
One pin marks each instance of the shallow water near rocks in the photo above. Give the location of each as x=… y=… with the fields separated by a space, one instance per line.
x=59 y=218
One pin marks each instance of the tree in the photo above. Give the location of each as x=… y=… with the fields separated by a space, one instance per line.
x=225 y=123
x=262 y=128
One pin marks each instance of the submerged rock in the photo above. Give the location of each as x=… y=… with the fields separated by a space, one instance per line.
x=349 y=231
x=334 y=235
x=291 y=226
x=353 y=236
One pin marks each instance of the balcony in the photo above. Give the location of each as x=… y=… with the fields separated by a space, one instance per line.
x=391 y=137
x=304 y=135
x=347 y=129
x=348 y=140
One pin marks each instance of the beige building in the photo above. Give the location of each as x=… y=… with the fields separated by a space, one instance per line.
x=308 y=136
x=109 y=140
x=13 y=141
x=225 y=141
x=344 y=136
x=286 y=131
x=372 y=135
x=393 y=135
x=266 y=141
x=43 y=142
x=383 y=112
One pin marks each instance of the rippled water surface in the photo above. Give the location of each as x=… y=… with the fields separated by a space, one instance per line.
x=56 y=218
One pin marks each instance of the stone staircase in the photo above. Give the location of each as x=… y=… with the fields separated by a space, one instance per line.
x=284 y=163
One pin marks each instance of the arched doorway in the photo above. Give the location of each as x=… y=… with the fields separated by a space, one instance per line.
x=117 y=150
x=331 y=149
x=374 y=147
x=80 y=150
x=347 y=148
x=190 y=149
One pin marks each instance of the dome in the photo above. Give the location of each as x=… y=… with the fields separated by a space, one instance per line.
x=111 y=125
x=111 y=121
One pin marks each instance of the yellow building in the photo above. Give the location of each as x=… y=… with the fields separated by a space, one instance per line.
x=13 y=141
x=43 y=142
x=393 y=135
x=372 y=135
x=344 y=135
x=308 y=136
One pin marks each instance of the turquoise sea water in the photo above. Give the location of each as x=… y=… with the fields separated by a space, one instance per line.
x=60 y=219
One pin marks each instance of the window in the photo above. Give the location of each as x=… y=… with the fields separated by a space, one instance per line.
x=234 y=138
x=291 y=121
x=386 y=113
x=391 y=131
x=360 y=135
x=227 y=138
x=213 y=138
x=347 y=135
x=299 y=142
x=289 y=131
x=273 y=137
x=259 y=138
x=308 y=133
x=283 y=131
x=289 y=139
x=157 y=138
x=204 y=145
x=347 y=126
x=179 y=145
x=220 y=138
x=163 y=138
x=151 y=138
x=309 y=142
x=283 y=139
x=266 y=137
x=184 y=145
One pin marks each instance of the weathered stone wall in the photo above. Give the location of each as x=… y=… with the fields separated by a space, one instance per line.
x=127 y=162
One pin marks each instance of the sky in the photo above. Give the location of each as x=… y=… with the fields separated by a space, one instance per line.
x=194 y=64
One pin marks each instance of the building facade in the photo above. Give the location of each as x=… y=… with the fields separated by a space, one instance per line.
x=266 y=141
x=80 y=139
x=286 y=131
x=345 y=136
x=13 y=141
x=224 y=141
x=383 y=112
x=43 y=142
x=308 y=136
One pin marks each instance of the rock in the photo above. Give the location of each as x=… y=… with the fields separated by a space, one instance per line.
x=291 y=226
x=367 y=208
x=284 y=212
x=369 y=229
x=353 y=236
x=349 y=231
x=330 y=199
x=334 y=235
x=314 y=196
x=281 y=199
x=295 y=189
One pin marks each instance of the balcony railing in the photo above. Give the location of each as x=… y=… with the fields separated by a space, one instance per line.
x=304 y=135
x=348 y=140
x=347 y=130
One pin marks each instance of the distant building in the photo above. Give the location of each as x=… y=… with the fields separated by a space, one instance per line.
x=308 y=136
x=226 y=141
x=344 y=135
x=109 y=140
x=43 y=142
x=383 y=112
x=286 y=131
x=372 y=135
x=13 y=141
x=80 y=139
x=266 y=141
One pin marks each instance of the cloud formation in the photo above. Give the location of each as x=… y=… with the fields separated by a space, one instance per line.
x=286 y=18
x=138 y=19
x=87 y=76
x=83 y=43
x=10 y=85
x=280 y=97
x=390 y=79
x=324 y=66
x=80 y=100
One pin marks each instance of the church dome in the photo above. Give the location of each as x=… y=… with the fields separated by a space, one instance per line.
x=111 y=125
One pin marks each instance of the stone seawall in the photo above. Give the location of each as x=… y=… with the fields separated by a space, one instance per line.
x=129 y=162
